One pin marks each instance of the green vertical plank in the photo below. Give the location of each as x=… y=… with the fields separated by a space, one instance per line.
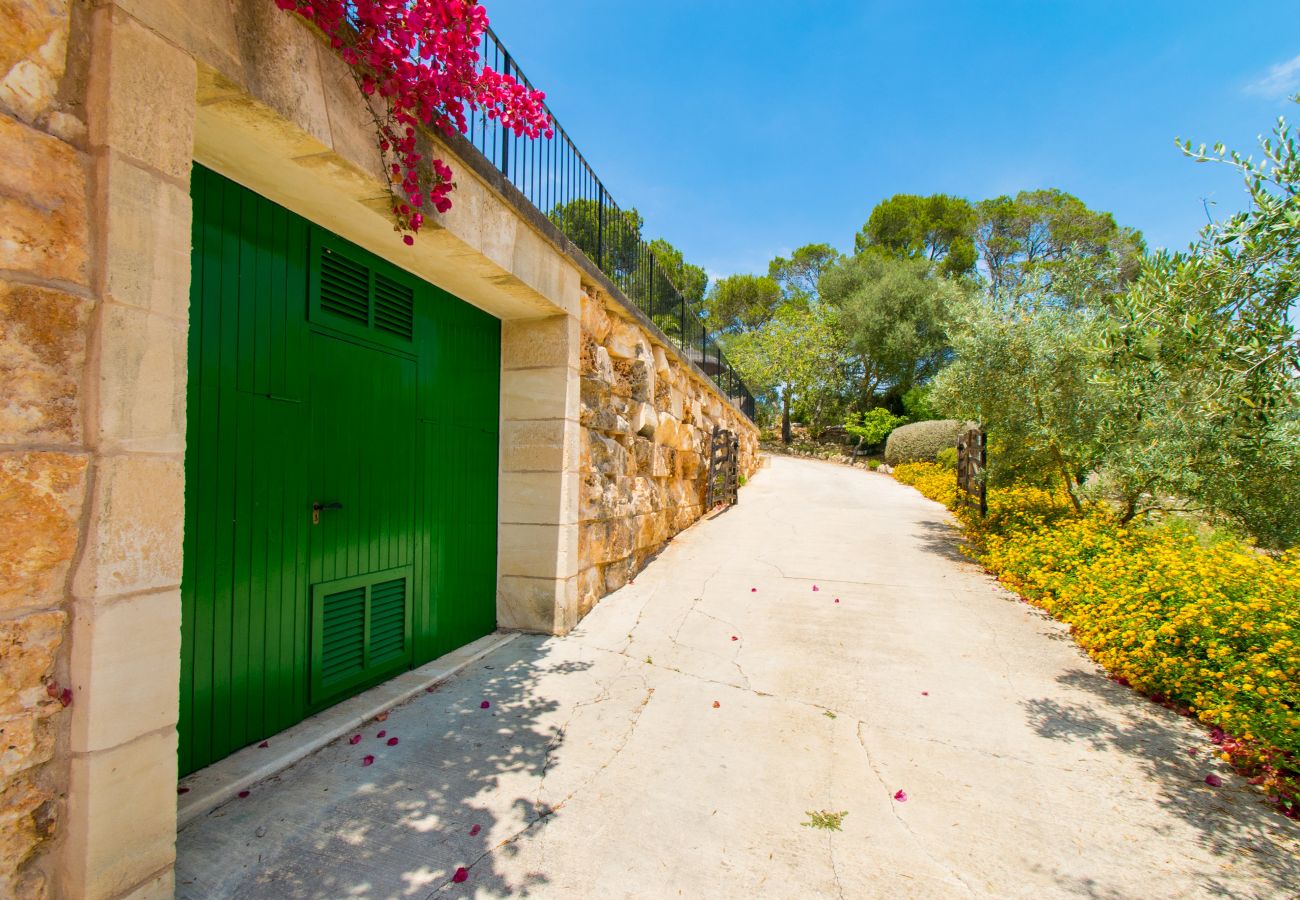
x=185 y=720
x=298 y=520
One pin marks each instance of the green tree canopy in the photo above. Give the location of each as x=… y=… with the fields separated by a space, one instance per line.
x=691 y=280
x=742 y=302
x=1025 y=238
x=893 y=314
x=610 y=238
x=939 y=228
x=796 y=354
x=798 y=275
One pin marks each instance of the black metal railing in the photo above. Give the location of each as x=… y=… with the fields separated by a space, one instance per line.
x=556 y=179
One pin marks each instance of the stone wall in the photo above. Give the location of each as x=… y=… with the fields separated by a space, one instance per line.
x=647 y=417
x=45 y=309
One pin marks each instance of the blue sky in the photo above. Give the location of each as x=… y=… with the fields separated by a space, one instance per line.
x=741 y=130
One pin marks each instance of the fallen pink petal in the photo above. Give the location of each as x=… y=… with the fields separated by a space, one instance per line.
x=1214 y=781
x=355 y=739
x=382 y=734
x=901 y=796
x=392 y=742
x=367 y=760
x=1191 y=751
x=484 y=705
x=264 y=744
x=182 y=790
x=462 y=874
x=243 y=794
x=925 y=693
x=753 y=590
x=816 y=588
x=475 y=830
x=734 y=638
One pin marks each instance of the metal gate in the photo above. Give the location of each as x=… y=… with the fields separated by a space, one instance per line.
x=341 y=472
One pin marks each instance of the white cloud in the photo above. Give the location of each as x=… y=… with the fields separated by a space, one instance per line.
x=1282 y=80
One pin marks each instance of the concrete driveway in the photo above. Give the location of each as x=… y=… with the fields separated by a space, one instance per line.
x=819 y=647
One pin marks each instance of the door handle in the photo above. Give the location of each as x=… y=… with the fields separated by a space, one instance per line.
x=317 y=507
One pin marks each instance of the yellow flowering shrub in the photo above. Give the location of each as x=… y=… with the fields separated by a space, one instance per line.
x=1212 y=630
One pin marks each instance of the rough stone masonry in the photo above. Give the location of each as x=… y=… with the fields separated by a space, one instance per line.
x=646 y=424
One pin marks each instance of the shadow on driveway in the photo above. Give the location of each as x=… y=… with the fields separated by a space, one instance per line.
x=333 y=827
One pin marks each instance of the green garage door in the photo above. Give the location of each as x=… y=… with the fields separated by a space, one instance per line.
x=341 y=466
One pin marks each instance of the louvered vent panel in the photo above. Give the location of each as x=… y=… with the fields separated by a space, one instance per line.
x=387 y=620
x=344 y=287
x=394 y=307
x=343 y=635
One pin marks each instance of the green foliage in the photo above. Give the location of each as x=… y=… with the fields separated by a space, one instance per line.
x=921 y=441
x=798 y=276
x=825 y=820
x=947 y=457
x=1024 y=368
x=938 y=228
x=1205 y=346
x=873 y=464
x=690 y=280
x=916 y=403
x=893 y=313
x=1023 y=239
x=742 y=302
x=614 y=245
x=1174 y=391
x=797 y=353
x=873 y=426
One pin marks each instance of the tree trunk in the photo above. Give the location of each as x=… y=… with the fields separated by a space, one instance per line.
x=785 y=416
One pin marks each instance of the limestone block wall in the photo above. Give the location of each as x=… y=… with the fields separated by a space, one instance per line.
x=646 y=419
x=45 y=308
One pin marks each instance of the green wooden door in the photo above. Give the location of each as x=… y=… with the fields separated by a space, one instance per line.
x=362 y=472
x=320 y=375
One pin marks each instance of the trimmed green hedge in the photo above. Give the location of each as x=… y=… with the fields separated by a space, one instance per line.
x=921 y=441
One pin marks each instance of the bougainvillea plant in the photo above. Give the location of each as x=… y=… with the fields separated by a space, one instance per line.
x=418 y=63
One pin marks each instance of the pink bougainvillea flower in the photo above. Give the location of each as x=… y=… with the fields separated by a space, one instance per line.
x=734 y=638
x=355 y=739
x=243 y=794
x=65 y=697
x=367 y=760
x=1214 y=781
x=753 y=590
x=1191 y=751
x=837 y=599
x=475 y=830
x=429 y=689
x=462 y=874
x=901 y=796
x=484 y=705
x=182 y=790
x=408 y=240
x=716 y=704
x=264 y=744
x=382 y=734
x=392 y=742
x=816 y=588
x=925 y=693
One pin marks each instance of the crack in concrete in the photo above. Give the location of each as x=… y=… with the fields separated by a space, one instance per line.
x=548 y=811
x=916 y=839
x=835 y=871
